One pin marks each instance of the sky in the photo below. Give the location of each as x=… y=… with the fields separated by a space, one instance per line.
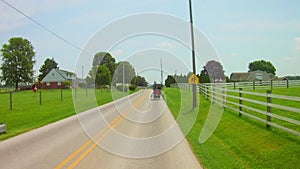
x=146 y=33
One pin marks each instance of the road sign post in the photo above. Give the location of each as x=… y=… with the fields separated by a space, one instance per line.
x=194 y=80
x=193 y=55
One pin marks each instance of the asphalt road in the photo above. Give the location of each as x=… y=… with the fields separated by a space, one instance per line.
x=131 y=133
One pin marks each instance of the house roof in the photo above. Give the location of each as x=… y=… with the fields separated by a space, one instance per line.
x=252 y=76
x=239 y=76
x=56 y=75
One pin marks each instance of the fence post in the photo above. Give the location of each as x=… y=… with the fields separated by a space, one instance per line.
x=213 y=94
x=233 y=85
x=207 y=93
x=61 y=95
x=287 y=83
x=86 y=91
x=223 y=97
x=10 y=101
x=271 y=84
x=240 y=101
x=76 y=93
x=253 y=85
x=269 y=108
x=40 y=97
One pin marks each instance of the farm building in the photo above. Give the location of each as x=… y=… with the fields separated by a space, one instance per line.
x=58 y=79
x=251 y=76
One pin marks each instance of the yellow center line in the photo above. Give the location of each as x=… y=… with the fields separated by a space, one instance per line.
x=105 y=130
x=83 y=155
x=75 y=153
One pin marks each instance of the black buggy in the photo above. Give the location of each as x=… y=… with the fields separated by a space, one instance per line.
x=157 y=93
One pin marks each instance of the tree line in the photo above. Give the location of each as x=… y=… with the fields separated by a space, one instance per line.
x=106 y=71
x=213 y=72
x=18 y=59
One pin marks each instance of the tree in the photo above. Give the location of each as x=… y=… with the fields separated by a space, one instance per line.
x=124 y=73
x=263 y=66
x=48 y=65
x=215 y=71
x=105 y=59
x=292 y=77
x=90 y=79
x=67 y=84
x=228 y=80
x=181 y=78
x=204 y=77
x=170 y=80
x=139 y=81
x=17 y=62
x=103 y=76
x=99 y=76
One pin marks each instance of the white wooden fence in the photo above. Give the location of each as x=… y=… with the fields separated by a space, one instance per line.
x=263 y=84
x=250 y=85
x=258 y=106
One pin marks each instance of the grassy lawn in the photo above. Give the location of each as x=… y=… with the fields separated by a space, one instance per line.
x=238 y=142
x=288 y=103
x=28 y=114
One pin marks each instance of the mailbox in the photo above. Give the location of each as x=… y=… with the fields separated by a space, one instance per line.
x=3 y=128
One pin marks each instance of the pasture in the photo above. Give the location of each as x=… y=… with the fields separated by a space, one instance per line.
x=238 y=141
x=27 y=113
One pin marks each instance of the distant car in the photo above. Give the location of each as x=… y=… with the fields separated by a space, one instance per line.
x=157 y=93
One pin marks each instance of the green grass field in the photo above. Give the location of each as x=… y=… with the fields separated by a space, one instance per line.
x=288 y=103
x=28 y=114
x=238 y=142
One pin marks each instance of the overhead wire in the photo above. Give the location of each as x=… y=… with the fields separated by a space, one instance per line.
x=43 y=27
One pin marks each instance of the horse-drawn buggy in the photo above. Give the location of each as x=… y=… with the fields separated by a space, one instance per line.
x=157 y=91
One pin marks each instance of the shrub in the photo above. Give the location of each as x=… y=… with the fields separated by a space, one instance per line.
x=132 y=87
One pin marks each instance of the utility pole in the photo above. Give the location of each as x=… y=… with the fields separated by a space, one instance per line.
x=193 y=55
x=161 y=73
x=123 y=76
x=82 y=72
x=137 y=79
x=175 y=76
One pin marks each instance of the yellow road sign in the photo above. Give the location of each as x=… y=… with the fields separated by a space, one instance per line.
x=193 y=79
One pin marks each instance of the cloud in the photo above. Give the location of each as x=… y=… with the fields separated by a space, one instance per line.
x=118 y=53
x=290 y=59
x=11 y=19
x=234 y=54
x=289 y=67
x=262 y=26
x=6 y=25
x=238 y=38
x=297 y=43
x=166 y=45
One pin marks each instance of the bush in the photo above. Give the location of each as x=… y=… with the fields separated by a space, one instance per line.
x=132 y=87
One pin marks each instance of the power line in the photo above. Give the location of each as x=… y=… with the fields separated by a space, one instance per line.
x=43 y=27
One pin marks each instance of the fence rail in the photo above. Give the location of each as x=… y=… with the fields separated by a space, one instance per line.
x=250 y=85
x=263 y=84
x=12 y=99
x=258 y=106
